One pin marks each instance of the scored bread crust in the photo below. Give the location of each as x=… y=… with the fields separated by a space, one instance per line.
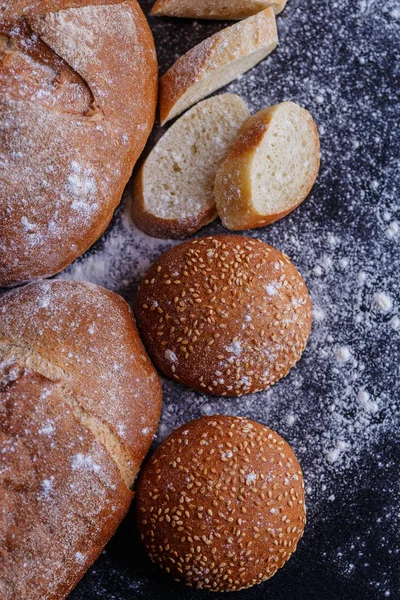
x=79 y=405
x=220 y=504
x=211 y=64
x=214 y=9
x=77 y=102
x=225 y=315
x=218 y=120
x=234 y=190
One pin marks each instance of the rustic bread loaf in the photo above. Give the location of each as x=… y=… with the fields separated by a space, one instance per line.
x=77 y=102
x=214 y=9
x=79 y=404
x=216 y=61
x=173 y=193
x=220 y=505
x=270 y=169
x=225 y=315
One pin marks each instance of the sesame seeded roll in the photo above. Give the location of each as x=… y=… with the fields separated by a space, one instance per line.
x=226 y=315
x=220 y=505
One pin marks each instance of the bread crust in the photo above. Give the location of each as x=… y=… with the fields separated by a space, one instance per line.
x=255 y=34
x=220 y=504
x=72 y=364
x=166 y=228
x=74 y=118
x=225 y=315
x=216 y=121
x=214 y=9
x=233 y=182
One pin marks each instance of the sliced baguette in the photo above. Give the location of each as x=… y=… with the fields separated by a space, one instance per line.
x=173 y=193
x=270 y=169
x=214 y=9
x=215 y=62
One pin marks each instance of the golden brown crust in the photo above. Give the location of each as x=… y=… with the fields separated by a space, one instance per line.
x=212 y=55
x=87 y=111
x=214 y=9
x=220 y=505
x=72 y=363
x=62 y=494
x=226 y=315
x=233 y=182
x=165 y=228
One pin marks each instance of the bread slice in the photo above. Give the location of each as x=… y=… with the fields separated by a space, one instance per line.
x=214 y=9
x=215 y=62
x=173 y=193
x=271 y=168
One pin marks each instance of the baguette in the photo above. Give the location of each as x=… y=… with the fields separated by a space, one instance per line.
x=214 y=9
x=173 y=193
x=215 y=62
x=271 y=168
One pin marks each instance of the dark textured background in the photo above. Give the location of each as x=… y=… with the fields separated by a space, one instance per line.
x=338 y=59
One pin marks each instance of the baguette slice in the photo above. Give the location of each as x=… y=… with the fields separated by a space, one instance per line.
x=214 y=9
x=271 y=168
x=173 y=193
x=215 y=62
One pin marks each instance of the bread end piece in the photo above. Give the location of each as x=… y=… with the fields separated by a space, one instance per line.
x=271 y=168
x=214 y=9
x=215 y=62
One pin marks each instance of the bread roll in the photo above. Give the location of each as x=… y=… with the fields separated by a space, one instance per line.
x=216 y=61
x=220 y=505
x=173 y=193
x=79 y=405
x=214 y=9
x=77 y=102
x=270 y=169
x=225 y=315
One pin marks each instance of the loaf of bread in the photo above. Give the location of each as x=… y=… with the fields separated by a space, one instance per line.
x=215 y=62
x=225 y=315
x=173 y=193
x=220 y=505
x=77 y=102
x=79 y=405
x=270 y=169
x=214 y=9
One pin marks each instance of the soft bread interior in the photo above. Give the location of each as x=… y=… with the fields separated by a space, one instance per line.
x=216 y=79
x=215 y=9
x=178 y=175
x=286 y=161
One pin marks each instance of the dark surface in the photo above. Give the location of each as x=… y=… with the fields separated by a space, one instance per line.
x=336 y=58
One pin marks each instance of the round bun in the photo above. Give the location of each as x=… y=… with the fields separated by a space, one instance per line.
x=220 y=505
x=79 y=405
x=75 y=116
x=225 y=315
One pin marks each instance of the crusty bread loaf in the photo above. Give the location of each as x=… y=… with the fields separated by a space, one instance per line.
x=270 y=169
x=77 y=102
x=226 y=315
x=220 y=505
x=173 y=193
x=216 y=61
x=79 y=405
x=214 y=9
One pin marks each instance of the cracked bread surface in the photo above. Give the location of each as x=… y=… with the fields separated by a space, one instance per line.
x=78 y=84
x=90 y=403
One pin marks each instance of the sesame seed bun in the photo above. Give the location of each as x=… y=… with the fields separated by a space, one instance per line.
x=226 y=315
x=220 y=505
